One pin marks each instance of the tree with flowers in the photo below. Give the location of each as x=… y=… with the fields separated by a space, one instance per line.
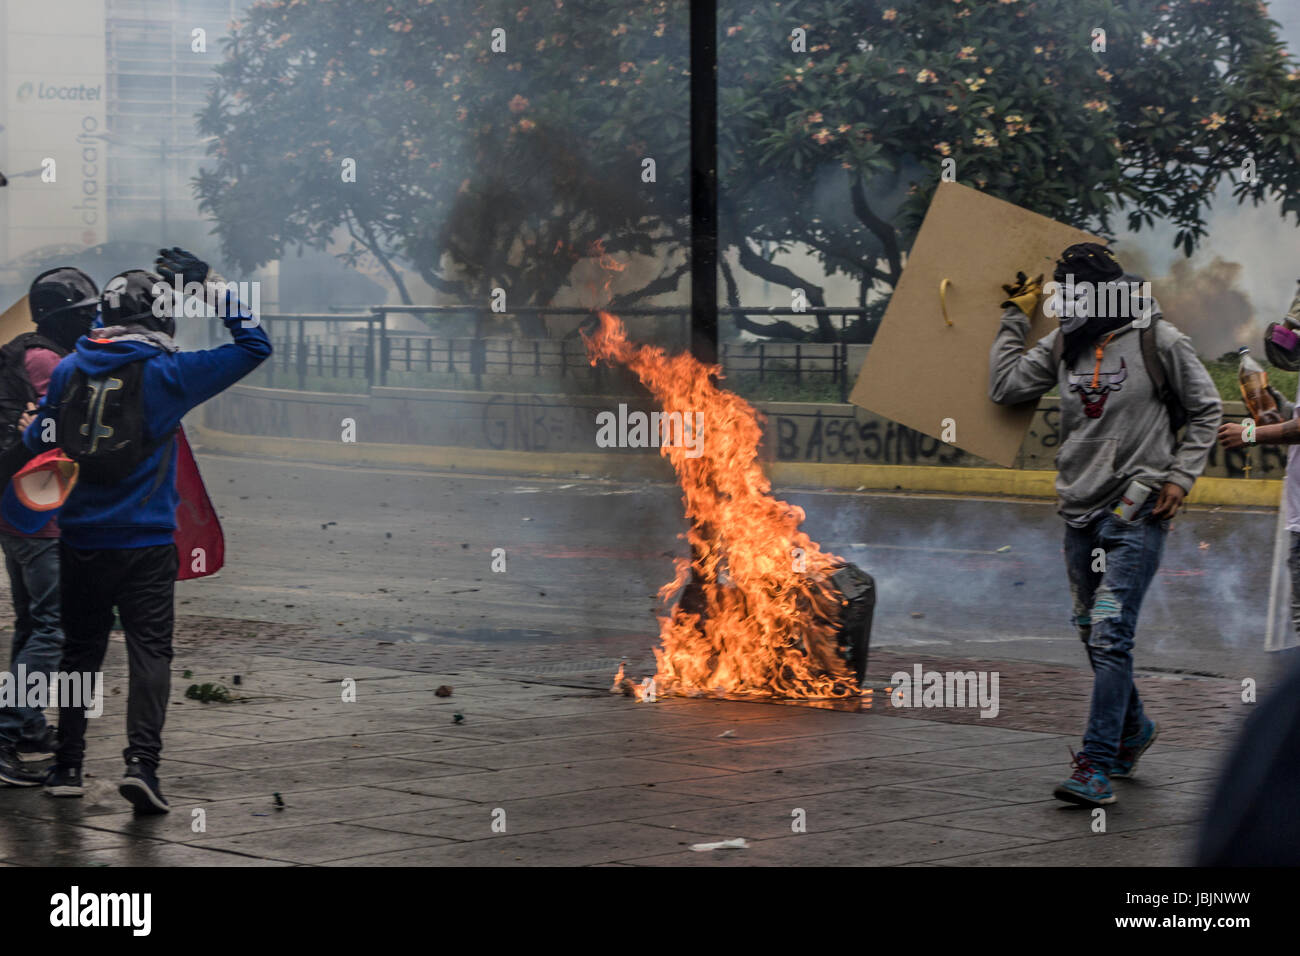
x=485 y=169
x=493 y=143
x=839 y=148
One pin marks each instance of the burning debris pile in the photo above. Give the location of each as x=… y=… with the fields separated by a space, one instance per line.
x=763 y=611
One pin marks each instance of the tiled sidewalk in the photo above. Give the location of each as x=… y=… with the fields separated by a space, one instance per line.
x=573 y=776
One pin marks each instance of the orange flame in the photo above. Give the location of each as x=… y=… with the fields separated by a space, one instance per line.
x=756 y=616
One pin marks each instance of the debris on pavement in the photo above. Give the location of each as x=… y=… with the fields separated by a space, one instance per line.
x=208 y=692
x=737 y=843
x=443 y=690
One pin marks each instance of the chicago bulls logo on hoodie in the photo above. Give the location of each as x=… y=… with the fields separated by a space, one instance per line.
x=1093 y=388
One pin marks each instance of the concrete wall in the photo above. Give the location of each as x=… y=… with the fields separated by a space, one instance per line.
x=511 y=421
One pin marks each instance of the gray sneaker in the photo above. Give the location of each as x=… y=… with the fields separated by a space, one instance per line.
x=12 y=771
x=39 y=748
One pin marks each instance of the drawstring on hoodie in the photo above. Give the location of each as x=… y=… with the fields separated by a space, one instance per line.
x=1096 y=369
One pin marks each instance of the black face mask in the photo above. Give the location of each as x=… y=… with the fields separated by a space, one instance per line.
x=1078 y=341
x=67 y=327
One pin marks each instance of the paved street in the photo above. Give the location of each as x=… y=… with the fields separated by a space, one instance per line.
x=405 y=556
x=574 y=777
x=388 y=596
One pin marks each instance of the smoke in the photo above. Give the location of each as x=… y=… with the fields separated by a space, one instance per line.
x=945 y=583
x=1208 y=305
x=1205 y=301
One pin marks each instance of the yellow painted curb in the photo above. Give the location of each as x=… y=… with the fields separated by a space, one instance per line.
x=932 y=478
x=1009 y=482
x=1012 y=482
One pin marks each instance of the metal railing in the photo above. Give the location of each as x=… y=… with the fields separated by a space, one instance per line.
x=369 y=346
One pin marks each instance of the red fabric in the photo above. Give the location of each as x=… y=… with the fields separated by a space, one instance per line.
x=51 y=464
x=39 y=364
x=198 y=529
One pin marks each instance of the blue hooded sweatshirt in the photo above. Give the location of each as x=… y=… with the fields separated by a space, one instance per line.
x=126 y=514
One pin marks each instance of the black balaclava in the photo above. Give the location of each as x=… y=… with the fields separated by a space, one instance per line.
x=137 y=297
x=1093 y=263
x=63 y=303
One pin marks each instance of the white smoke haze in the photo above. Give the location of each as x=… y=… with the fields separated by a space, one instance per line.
x=1204 y=299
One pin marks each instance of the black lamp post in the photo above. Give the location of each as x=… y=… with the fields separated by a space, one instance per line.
x=704 y=181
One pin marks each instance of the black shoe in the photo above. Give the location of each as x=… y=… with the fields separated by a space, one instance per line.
x=39 y=748
x=140 y=786
x=12 y=771
x=64 y=781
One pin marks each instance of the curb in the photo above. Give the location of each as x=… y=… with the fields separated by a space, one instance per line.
x=1001 y=482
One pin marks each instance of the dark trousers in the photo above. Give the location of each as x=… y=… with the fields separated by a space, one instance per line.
x=140 y=583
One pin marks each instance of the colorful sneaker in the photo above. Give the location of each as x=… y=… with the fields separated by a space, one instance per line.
x=1087 y=785
x=1131 y=748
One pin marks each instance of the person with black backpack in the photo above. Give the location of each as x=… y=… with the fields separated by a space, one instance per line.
x=1128 y=382
x=63 y=303
x=114 y=407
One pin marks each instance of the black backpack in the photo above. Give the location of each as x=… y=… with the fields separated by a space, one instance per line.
x=15 y=387
x=1155 y=369
x=101 y=425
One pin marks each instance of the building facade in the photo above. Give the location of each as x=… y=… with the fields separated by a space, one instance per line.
x=97 y=128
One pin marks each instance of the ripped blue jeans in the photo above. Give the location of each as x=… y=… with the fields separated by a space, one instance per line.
x=1110 y=564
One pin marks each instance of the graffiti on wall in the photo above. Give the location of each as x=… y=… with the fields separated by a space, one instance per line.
x=533 y=423
x=824 y=436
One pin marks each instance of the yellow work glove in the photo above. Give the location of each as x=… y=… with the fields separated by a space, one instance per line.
x=1024 y=293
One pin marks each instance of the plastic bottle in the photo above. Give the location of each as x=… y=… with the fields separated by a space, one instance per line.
x=1254 y=390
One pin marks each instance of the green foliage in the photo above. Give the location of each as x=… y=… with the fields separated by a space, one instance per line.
x=483 y=170
x=842 y=147
x=209 y=693
x=783 y=388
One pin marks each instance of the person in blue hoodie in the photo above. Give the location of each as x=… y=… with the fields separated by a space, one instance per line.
x=114 y=406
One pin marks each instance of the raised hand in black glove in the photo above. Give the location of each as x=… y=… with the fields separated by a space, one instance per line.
x=175 y=262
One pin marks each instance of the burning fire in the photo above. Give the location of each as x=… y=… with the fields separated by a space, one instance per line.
x=755 y=618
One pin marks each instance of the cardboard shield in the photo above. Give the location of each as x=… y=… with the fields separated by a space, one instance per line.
x=16 y=320
x=929 y=362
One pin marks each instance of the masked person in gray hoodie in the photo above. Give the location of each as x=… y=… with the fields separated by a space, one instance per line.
x=1128 y=381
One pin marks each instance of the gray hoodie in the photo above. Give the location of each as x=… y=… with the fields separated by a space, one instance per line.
x=1114 y=427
